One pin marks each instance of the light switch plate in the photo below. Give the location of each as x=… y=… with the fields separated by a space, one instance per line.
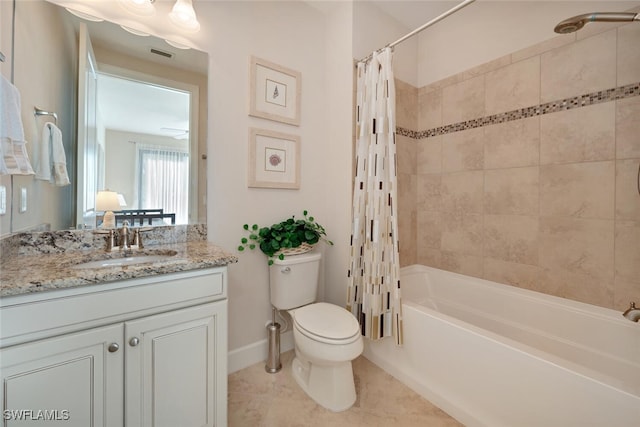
x=23 y=199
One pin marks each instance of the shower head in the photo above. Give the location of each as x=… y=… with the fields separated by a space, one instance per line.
x=577 y=22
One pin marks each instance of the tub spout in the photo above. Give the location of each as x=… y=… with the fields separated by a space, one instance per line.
x=632 y=312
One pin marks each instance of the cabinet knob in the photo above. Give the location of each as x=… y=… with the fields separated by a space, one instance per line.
x=134 y=341
x=113 y=347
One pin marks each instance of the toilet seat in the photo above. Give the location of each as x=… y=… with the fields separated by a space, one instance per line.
x=326 y=323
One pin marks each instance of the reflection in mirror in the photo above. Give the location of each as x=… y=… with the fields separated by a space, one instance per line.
x=141 y=120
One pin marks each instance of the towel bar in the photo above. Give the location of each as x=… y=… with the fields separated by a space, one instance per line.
x=2 y=57
x=38 y=112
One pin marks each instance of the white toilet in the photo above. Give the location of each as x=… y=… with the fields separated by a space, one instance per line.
x=327 y=337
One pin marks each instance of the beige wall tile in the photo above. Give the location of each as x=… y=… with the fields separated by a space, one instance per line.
x=583 y=190
x=407 y=192
x=574 y=69
x=512 y=144
x=462 y=234
x=627 y=197
x=511 y=191
x=512 y=87
x=430 y=257
x=580 y=246
x=407 y=236
x=429 y=155
x=577 y=287
x=520 y=275
x=628 y=54
x=463 y=101
x=625 y=291
x=406 y=150
x=581 y=134
x=627 y=250
x=628 y=127
x=406 y=105
x=428 y=191
x=430 y=109
x=511 y=238
x=429 y=230
x=469 y=265
x=462 y=192
x=463 y=150
x=498 y=214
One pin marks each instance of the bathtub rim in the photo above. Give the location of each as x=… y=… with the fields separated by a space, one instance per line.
x=593 y=310
x=600 y=313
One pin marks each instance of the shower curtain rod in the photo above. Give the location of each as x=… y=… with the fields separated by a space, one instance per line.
x=423 y=27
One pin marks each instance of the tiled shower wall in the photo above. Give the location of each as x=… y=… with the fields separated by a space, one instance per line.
x=524 y=170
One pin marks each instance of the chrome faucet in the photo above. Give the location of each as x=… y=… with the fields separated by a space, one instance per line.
x=632 y=312
x=124 y=239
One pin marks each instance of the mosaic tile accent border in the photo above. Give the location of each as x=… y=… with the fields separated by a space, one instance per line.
x=608 y=95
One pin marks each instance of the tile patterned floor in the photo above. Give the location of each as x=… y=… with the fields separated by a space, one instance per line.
x=257 y=398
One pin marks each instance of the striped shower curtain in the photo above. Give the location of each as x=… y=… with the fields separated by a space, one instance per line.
x=373 y=293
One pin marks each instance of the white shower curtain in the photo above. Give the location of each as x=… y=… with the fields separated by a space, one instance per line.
x=373 y=293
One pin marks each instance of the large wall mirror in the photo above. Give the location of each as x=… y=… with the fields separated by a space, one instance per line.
x=132 y=111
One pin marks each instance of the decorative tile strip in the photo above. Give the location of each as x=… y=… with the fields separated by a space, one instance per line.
x=608 y=95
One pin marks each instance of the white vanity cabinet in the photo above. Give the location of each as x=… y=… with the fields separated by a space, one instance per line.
x=140 y=352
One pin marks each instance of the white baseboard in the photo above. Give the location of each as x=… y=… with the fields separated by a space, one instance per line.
x=256 y=352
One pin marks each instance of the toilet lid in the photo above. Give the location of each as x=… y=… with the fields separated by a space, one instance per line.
x=327 y=321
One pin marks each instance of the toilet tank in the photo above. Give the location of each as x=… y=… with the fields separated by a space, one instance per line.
x=294 y=280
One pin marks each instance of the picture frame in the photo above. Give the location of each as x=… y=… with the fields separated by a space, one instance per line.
x=275 y=92
x=274 y=159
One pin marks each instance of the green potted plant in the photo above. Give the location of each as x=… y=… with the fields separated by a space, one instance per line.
x=284 y=237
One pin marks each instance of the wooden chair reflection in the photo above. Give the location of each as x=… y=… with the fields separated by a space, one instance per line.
x=140 y=215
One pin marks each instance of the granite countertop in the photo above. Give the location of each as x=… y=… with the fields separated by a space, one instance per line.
x=27 y=274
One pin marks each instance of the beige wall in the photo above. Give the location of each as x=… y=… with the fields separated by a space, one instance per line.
x=547 y=202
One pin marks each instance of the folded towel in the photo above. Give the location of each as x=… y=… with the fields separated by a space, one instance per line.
x=14 y=159
x=52 y=164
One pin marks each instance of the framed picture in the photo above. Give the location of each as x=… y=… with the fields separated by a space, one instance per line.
x=274 y=159
x=275 y=92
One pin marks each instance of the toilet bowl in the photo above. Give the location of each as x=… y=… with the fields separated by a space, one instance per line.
x=326 y=337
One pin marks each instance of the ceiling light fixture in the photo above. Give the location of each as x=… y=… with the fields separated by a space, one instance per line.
x=177 y=45
x=139 y=7
x=134 y=31
x=184 y=17
x=83 y=12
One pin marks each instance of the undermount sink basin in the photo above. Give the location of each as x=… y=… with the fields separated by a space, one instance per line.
x=127 y=260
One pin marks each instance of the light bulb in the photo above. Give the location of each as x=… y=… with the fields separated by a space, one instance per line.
x=139 y=7
x=183 y=16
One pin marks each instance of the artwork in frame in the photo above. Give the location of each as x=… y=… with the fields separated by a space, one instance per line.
x=274 y=159
x=275 y=92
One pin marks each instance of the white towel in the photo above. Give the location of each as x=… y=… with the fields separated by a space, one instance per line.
x=52 y=164
x=14 y=159
x=10 y=120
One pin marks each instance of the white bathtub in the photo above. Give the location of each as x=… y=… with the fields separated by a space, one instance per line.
x=495 y=355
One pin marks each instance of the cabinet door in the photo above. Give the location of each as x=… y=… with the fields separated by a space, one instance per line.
x=74 y=379
x=172 y=363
